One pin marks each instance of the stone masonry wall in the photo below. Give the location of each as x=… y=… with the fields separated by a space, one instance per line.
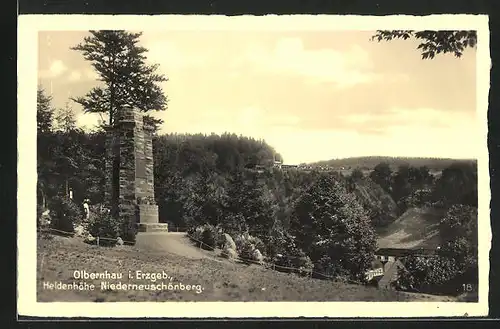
x=148 y=153
x=140 y=170
x=108 y=166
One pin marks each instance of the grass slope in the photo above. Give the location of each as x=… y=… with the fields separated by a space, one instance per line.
x=221 y=280
x=416 y=228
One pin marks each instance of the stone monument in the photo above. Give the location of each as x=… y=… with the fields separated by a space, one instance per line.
x=129 y=187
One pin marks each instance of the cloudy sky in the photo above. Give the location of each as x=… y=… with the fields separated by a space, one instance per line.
x=311 y=95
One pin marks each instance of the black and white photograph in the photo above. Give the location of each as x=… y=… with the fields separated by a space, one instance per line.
x=193 y=159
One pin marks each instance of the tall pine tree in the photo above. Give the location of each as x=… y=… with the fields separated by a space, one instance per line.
x=127 y=79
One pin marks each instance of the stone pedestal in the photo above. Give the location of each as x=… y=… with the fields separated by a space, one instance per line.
x=149 y=222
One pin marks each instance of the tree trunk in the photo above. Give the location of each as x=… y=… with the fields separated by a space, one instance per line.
x=112 y=93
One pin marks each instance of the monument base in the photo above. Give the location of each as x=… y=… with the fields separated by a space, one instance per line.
x=153 y=227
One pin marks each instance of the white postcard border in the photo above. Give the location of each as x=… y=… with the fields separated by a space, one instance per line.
x=28 y=28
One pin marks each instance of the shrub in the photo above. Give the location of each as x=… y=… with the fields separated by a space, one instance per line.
x=65 y=214
x=293 y=257
x=244 y=248
x=208 y=234
x=418 y=198
x=128 y=233
x=43 y=221
x=196 y=233
x=101 y=224
x=209 y=237
x=246 y=244
x=431 y=275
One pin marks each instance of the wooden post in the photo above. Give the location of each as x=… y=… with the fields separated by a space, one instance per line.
x=98 y=241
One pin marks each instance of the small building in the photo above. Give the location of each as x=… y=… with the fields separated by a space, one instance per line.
x=284 y=166
x=376 y=270
x=390 y=259
x=415 y=233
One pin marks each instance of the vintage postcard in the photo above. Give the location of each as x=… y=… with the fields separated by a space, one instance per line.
x=253 y=166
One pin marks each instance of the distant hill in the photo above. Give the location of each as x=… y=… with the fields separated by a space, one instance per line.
x=416 y=228
x=369 y=162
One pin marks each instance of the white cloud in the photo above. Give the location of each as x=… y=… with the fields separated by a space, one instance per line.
x=75 y=76
x=169 y=56
x=345 y=69
x=90 y=74
x=56 y=68
x=421 y=118
x=83 y=75
x=87 y=120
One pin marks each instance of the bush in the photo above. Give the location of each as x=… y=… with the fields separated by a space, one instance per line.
x=43 y=221
x=101 y=224
x=244 y=248
x=196 y=233
x=65 y=214
x=258 y=243
x=128 y=233
x=299 y=261
x=246 y=244
x=294 y=257
x=209 y=237
x=208 y=234
x=429 y=275
x=419 y=198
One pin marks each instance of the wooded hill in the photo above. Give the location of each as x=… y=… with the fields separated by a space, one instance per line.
x=369 y=162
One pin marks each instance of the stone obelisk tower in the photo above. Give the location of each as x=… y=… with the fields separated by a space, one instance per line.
x=129 y=174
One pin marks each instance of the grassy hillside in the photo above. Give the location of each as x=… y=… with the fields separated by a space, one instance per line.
x=416 y=228
x=221 y=280
x=370 y=162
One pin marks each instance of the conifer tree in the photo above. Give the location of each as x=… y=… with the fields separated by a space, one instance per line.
x=126 y=79
x=44 y=111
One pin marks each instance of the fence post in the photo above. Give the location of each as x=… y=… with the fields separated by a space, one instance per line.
x=98 y=241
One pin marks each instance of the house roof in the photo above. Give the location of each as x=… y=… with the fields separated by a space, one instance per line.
x=397 y=252
x=416 y=229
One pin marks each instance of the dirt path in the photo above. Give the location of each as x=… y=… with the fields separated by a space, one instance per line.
x=172 y=243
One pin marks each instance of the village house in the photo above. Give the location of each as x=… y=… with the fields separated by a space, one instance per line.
x=414 y=233
x=387 y=265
